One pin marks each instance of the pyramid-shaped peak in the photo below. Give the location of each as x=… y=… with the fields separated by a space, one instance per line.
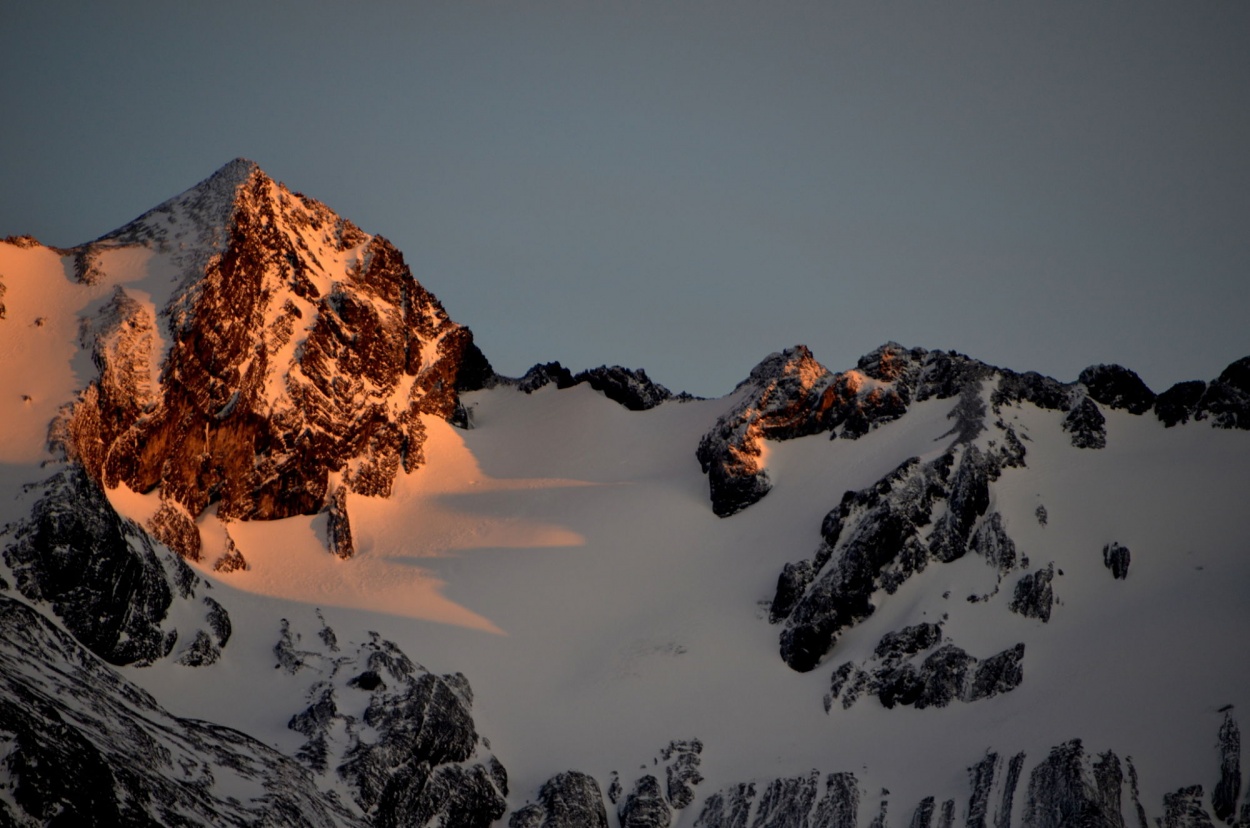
x=205 y=209
x=235 y=171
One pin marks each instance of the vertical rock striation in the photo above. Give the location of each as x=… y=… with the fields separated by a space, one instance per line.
x=296 y=347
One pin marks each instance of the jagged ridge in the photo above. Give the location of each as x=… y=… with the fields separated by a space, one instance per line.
x=302 y=356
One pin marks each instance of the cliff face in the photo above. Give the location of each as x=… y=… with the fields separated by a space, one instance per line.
x=299 y=356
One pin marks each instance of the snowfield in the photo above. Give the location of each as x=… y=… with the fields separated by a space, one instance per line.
x=563 y=554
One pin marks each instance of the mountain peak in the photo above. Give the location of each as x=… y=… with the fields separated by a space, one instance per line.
x=236 y=170
x=197 y=217
x=300 y=355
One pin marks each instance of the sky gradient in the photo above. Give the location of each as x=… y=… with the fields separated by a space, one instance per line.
x=688 y=186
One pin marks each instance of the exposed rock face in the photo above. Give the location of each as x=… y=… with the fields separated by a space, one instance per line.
x=682 y=771
x=1087 y=425
x=839 y=807
x=231 y=560
x=1034 y=596
x=645 y=806
x=1228 y=789
x=298 y=346
x=566 y=800
x=631 y=388
x=545 y=374
x=1183 y=809
x=728 y=808
x=1065 y=790
x=1116 y=558
x=1002 y=818
x=789 y=802
x=999 y=673
x=1117 y=387
x=1225 y=401
x=401 y=737
x=791 y=395
x=1032 y=387
x=896 y=674
x=981 y=777
x=1178 y=403
x=876 y=539
x=992 y=542
x=102 y=576
x=338 y=524
x=82 y=746
x=871 y=540
x=922 y=817
x=896 y=646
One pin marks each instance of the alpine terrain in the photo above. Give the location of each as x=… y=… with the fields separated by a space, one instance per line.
x=279 y=547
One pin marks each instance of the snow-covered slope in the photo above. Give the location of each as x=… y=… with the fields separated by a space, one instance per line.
x=545 y=621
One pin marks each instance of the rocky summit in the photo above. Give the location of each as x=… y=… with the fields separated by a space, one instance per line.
x=297 y=356
x=279 y=547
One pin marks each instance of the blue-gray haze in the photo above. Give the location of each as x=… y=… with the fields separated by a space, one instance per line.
x=687 y=186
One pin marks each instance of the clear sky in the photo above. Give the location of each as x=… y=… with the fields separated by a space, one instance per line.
x=688 y=186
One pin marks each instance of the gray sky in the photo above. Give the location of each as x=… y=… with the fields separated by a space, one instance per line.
x=688 y=186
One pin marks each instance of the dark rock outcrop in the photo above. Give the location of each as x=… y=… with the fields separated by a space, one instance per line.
x=992 y=542
x=338 y=524
x=790 y=395
x=627 y=386
x=728 y=808
x=102 y=575
x=645 y=806
x=82 y=746
x=895 y=646
x=682 y=771
x=544 y=374
x=1116 y=558
x=1034 y=596
x=1228 y=789
x=922 y=817
x=780 y=399
x=1177 y=404
x=789 y=802
x=896 y=675
x=1032 y=387
x=1065 y=791
x=231 y=560
x=1225 y=401
x=981 y=779
x=567 y=800
x=402 y=738
x=1117 y=387
x=999 y=673
x=839 y=807
x=1087 y=425
x=874 y=540
x=410 y=775
x=1183 y=809
x=871 y=540
x=1002 y=817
